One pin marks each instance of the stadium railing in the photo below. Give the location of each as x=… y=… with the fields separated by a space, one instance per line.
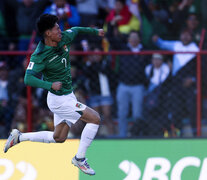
x=116 y=53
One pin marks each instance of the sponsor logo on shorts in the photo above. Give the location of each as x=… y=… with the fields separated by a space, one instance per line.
x=78 y=105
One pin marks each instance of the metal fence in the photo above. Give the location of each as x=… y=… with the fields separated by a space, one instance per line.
x=155 y=103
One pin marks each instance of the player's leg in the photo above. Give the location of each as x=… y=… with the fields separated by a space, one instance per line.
x=61 y=132
x=70 y=110
x=89 y=132
x=92 y=119
x=58 y=136
x=16 y=137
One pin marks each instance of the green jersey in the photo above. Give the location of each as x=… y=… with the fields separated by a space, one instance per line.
x=54 y=63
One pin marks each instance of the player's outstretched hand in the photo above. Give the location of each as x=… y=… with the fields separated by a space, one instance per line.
x=56 y=86
x=101 y=32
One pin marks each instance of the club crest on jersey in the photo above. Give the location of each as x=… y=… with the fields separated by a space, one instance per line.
x=65 y=48
x=78 y=105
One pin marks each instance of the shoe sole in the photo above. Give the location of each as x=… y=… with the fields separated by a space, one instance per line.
x=75 y=164
x=11 y=138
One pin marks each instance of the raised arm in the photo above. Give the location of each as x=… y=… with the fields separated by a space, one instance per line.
x=74 y=31
x=163 y=44
x=88 y=30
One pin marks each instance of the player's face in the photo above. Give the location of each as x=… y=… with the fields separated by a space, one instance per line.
x=55 y=33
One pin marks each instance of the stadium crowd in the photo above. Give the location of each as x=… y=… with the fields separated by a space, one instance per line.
x=136 y=95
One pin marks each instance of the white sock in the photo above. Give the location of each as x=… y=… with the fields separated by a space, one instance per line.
x=42 y=136
x=87 y=136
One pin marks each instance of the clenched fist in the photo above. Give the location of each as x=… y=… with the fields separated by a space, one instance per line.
x=56 y=86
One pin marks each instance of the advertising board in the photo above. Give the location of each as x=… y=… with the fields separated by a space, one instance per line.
x=39 y=161
x=148 y=159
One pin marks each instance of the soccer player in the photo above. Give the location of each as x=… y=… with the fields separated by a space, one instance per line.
x=51 y=57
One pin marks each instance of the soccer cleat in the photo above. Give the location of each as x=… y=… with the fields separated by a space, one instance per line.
x=12 y=140
x=83 y=166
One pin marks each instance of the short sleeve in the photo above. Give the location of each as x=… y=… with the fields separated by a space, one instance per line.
x=35 y=66
x=69 y=35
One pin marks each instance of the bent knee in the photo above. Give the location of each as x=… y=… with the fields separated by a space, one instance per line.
x=59 y=139
x=96 y=119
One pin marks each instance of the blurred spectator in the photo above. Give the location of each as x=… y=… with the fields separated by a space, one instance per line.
x=154 y=20
x=183 y=78
x=3 y=32
x=185 y=44
x=192 y=24
x=12 y=62
x=156 y=72
x=132 y=4
x=99 y=72
x=17 y=95
x=27 y=11
x=78 y=81
x=67 y=14
x=131 y=83
x=76 y=61
x=110 y=4
x=122 y=19
x=159 y=10
x=5 y=110
x=9 y=14
x=180 y=14
x=134 y=9
x=89 y=11
x=16 y=79
x=203 y=6
x=43 y=120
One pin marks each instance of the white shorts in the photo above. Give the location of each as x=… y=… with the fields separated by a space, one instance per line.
x=66 y=108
